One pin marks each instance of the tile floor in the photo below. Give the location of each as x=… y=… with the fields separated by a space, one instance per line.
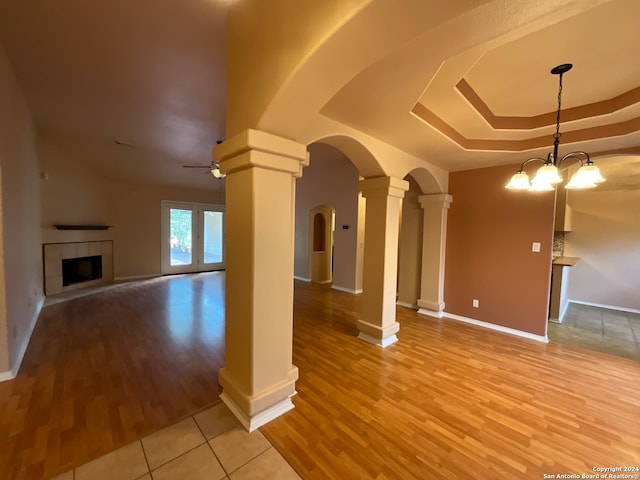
x=209 y=445
x=599 y=329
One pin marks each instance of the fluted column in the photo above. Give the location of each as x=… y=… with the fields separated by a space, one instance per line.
x=382 y=219
x=434 y=236
x=259 y=378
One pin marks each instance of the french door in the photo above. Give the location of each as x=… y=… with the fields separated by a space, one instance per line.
x=192 y=237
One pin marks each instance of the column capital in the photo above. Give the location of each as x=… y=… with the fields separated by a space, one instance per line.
x=442 y=200
x=255 y=148
x=383 y=187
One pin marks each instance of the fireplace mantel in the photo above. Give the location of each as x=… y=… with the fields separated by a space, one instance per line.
x=81 y=227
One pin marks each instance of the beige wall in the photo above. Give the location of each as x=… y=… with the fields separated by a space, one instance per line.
x=489 y=258
x=410 y=246
x=605 y=236
x=21 y=291
x=330 y=179
x=137 y=223
x=73 y=193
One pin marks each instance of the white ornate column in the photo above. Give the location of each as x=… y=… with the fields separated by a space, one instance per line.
x=434 y=236
x=382 y=220
x=259 y=378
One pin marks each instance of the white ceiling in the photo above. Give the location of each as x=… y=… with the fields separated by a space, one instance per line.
x=98 y=71
x=104 y=71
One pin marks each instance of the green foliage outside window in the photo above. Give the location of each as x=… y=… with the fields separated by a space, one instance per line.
x=181 y=229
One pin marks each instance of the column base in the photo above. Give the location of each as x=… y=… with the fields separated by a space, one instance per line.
x=432 y=309
x=252 y=405
x=251 y=423
x=381 y=336
x=381 y=342
x=431 y=313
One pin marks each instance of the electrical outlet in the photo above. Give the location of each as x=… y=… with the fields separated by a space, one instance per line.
x=476 y=303
x=535 y=247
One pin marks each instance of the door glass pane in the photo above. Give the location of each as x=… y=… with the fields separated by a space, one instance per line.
x=212 y=237
x=180 y=236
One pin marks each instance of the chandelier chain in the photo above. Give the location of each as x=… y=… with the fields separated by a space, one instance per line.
x=557 y=134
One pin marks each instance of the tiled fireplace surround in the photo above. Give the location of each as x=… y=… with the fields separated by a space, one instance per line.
x=54 y=253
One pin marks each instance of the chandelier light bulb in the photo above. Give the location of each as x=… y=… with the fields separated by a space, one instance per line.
x=520 y=181
x=548 y=174
x=541 y=185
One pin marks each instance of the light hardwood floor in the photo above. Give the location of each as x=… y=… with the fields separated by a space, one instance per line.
x=447 y=401
x=107 y=369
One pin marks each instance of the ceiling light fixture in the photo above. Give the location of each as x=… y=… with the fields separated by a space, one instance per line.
x=548 y=176
x=215 y=166
x=216 y=172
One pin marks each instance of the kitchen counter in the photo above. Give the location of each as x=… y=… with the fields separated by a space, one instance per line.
x=559 y=280
x=565 y=261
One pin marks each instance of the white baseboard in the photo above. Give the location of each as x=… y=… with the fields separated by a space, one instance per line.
x=407 y=305
x=25 y=343
x=136 y=277
x=302 y=279
x=609 y=307
x=346 y=290
x=381 y=342
x=499 y=328
x=259 y=419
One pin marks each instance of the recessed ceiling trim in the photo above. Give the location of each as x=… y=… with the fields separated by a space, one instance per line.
x=574 y=136
x=616 y=152
x=595 y=109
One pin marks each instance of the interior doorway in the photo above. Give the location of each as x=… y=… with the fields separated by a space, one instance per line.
x=321 y=230
x=192 y=237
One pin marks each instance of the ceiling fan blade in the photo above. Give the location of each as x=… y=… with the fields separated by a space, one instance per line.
x=197 y=166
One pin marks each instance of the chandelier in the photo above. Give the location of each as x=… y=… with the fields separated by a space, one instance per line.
x=548 y=176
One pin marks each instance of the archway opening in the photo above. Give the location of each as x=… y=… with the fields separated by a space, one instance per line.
x=335 y=256
x=321 y=225
x=410 y=246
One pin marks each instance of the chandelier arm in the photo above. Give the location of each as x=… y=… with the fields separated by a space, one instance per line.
x=530 y=160
x=576 y=155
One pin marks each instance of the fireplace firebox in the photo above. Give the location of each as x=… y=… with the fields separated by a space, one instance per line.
x=82 y=269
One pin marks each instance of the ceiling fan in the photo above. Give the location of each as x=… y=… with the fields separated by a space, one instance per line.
x=214 y=168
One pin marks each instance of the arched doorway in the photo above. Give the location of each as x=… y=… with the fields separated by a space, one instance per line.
x=321 y=228
x=330 y=180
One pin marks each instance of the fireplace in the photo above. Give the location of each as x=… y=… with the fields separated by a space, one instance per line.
x=74 y=265
x=82 y=269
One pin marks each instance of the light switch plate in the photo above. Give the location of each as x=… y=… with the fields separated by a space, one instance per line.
x=535 y=247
